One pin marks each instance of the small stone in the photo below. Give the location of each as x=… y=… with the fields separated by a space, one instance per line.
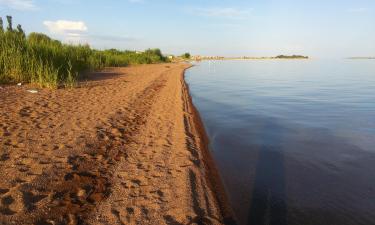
x=81 y=193
x=32 y=91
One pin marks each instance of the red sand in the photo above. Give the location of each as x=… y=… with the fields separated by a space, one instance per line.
x=127 y=147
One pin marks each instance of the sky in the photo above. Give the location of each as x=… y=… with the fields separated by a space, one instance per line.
x=317 y=28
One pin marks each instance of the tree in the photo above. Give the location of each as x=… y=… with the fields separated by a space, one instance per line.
x=186 y=55
x=10 y=23
x=1 y=25
x=154 y=51
x=20 y=30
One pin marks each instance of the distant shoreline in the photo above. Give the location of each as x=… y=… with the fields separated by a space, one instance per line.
x=361 y=58
x=283 y=57
x=265 y=58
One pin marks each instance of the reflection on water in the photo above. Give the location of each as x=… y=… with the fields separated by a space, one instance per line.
x=293 y=139
x=268 y=205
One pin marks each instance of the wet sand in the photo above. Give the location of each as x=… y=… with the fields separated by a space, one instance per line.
x=126 y=147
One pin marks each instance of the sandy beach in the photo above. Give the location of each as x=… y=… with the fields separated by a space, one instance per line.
x=125 y=147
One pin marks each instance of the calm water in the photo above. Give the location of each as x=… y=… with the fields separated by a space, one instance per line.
x=294 y=140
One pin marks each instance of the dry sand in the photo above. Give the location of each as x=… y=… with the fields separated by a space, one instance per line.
x=126 y=147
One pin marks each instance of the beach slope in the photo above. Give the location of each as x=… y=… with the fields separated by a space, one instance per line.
x=126 y=147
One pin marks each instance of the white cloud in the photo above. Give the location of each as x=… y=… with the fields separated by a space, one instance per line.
x=75 y=39
x=22 y=5
x=66 y=27
x=228 y=12
x=74 y=35
x=68 y=31
x=76 y=32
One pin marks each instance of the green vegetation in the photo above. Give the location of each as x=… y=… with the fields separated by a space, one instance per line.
x=186 y=55
x=37 y=58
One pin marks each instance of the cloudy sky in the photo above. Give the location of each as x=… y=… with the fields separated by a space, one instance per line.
x=318 y=28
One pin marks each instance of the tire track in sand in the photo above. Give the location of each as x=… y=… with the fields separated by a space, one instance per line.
x=68 y=195
x=146 y=163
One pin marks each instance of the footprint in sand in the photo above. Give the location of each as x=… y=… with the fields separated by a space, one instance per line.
x=30 y=200
x=3 y=191
x=5 y=204
x=25 y=111
x=4 y=157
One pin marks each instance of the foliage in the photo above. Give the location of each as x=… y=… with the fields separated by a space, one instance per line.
x=37 y=58
x=1 y=25
x=186 y=55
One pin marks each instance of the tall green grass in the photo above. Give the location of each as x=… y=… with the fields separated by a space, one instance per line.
x=36 y=58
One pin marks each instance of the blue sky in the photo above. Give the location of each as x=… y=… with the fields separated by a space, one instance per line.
x=318 y=28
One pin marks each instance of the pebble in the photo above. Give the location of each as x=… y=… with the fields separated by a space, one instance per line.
x=32 y=91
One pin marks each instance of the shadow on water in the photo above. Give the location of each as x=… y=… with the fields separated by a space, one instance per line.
x=292 y=144
x=286 y=174
x=268 y=204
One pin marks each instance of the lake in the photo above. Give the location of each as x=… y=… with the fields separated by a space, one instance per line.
x=294 y=140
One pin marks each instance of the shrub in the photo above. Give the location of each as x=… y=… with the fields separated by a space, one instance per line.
x=39 y=59
x=186 y=55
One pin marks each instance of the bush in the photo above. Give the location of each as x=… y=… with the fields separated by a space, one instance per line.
x=39 y=59
x=186 y=55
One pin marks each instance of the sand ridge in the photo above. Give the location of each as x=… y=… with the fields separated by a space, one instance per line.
x=123 y=148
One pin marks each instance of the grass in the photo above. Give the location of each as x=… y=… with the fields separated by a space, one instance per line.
x=38 y=59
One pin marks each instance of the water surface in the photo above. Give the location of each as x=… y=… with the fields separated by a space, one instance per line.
x=293 y=139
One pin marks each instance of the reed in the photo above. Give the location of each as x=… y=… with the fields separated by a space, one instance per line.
x=36 y=58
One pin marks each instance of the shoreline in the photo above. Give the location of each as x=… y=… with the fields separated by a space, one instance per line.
x=126 y=147
x=213 y=175
x=252 y=59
